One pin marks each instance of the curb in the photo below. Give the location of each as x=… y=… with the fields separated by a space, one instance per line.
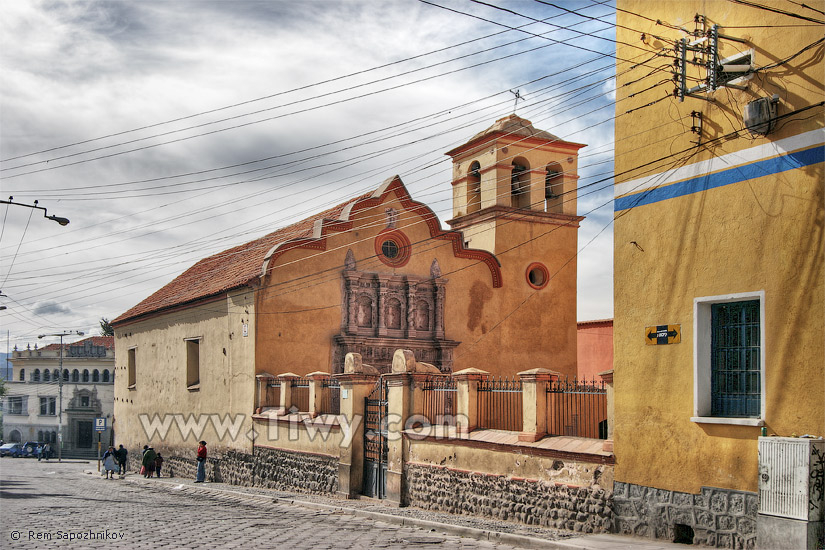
x=522 y=541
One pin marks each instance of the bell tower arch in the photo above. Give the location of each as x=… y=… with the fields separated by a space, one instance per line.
x=515 y=172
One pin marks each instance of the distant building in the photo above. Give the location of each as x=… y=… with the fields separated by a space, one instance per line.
x=32 y=402
x=594 y=344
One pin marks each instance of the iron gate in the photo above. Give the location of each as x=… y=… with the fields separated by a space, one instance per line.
x=375 y=441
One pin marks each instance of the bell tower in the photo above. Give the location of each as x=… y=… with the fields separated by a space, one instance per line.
x=509 y=175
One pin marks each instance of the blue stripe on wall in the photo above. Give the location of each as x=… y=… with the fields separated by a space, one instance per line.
x=746 y=172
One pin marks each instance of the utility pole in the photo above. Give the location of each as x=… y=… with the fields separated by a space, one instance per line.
x=60 y=392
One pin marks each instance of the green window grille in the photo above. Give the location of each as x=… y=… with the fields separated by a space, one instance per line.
x=735 y=359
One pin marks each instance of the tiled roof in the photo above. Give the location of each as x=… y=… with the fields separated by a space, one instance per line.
x=107 y=341
x=595 y=322
x=229 y=269
x=514 y=125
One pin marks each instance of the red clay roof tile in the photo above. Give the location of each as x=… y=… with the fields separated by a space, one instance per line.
x=230 y=269
x=108 y=341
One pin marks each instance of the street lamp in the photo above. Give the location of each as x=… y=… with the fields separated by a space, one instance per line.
x=58 y=219
x=60 y=391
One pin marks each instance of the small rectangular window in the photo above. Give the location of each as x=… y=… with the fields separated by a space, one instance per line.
x=131 y=367
x=15 y=405
x=193 y=368
x=729 y=359
x=48 y=406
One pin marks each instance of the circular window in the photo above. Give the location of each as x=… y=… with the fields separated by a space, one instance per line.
x=390 y=249
x=393 y=248
x=537 y=275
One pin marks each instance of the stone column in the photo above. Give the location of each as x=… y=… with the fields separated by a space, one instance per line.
x=440 y=292
x=410 y=311
x=286 y=391
x=318 y=391
x=607 y=377
x=356 y=382
x=404 y=402
x=534 y=402
x=399 y=405
x=381 y=301
x=466 y=411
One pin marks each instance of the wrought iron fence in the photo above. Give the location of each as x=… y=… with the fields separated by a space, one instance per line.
x=577 y=408
x=500 y=404
x=300 y=393
x=439 y=396
x=272 y=394
x=331 y=401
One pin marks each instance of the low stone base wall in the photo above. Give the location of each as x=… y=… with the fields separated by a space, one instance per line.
x=269 y=468
x=582 y=509
x=718 y=517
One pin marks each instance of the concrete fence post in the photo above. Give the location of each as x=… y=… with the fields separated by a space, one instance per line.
x=607 y=378
x=318 y=391
x=262 y=382
x=534 y=402
x=399 y=407
x=467 y=382
x=356 y=382
x=286 y=391
x=405 y=400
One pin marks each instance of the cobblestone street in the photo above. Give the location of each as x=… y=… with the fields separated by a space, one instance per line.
x=50 y=505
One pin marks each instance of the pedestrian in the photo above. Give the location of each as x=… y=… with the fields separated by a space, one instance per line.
x=109 y=463
x=39 y=452
x=122 y=455
x=148 y=462
x=47 y=451
x=158 y=464
x=201 y=462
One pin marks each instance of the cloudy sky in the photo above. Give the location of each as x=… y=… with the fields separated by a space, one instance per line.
x=167 y=131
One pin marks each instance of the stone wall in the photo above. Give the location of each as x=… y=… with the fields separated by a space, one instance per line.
x=718 y=517
x=582 y=509
x=269 y=468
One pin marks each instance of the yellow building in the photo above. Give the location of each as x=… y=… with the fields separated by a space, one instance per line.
x=372 y=275
x=719 y=292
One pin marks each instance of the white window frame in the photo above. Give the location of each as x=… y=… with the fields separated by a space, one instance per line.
x=16 y=399
x=50 y=404
x=193 y=364
x=131 y=368
x=701 y=358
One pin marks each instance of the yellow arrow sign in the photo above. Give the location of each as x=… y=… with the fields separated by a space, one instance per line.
x=660 y=335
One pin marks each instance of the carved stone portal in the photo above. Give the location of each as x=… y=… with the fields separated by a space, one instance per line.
x=383 y=312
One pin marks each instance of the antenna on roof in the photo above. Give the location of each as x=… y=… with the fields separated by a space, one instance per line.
x=518 y=96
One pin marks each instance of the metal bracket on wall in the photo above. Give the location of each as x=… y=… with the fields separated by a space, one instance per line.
x=696 y=125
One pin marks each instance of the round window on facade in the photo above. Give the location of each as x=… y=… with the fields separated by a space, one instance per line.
x=390 y=249
x=537 y=275
x=393 y=248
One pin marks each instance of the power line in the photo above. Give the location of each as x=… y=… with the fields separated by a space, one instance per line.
x=271 y=96
x=777 y=10
x=296 y=102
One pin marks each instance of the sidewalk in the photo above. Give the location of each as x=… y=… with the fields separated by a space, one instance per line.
x=516 y=534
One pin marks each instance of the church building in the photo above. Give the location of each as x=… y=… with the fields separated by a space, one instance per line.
x=372 y=275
